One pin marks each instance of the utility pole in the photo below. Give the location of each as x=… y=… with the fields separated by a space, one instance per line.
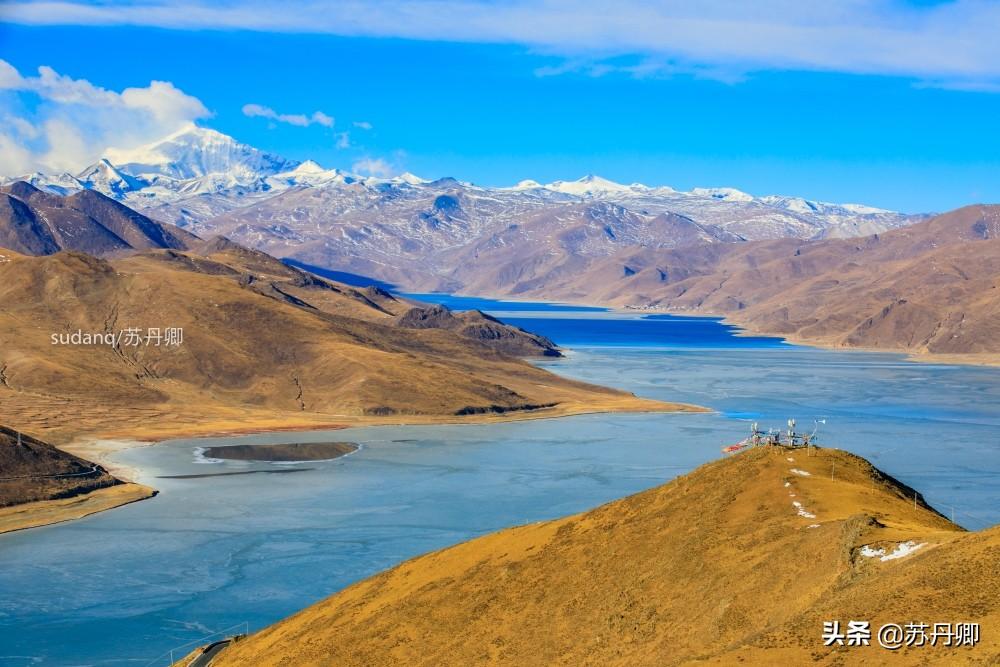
x=832 y=468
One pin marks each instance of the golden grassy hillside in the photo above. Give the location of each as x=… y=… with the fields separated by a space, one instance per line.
x=264 y=346
x=718 y=566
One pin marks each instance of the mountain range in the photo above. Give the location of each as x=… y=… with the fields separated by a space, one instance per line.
x=929 y=288
x=839 y=275
x=414 y=231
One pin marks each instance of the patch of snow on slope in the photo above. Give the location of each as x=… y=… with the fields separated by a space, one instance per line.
x=802 y=511
x=902 y=550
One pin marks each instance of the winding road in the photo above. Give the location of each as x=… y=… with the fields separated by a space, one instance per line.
x=210 y=652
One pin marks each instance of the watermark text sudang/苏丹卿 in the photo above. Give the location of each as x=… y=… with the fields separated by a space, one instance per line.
x=128 y=337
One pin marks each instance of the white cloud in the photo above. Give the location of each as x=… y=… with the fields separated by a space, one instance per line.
x=343 y=140
x=301 y=120
x=362 y=125
x=14 y=157
x=949 y=43
x=10 y=78
x=54 y=123
x=379 y=167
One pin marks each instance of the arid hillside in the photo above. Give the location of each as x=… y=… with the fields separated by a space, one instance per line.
x=263 y=345
x=932 y=287
x=31 y=470
x=740 y=561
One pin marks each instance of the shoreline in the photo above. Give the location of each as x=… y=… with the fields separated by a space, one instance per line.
x=50 y=512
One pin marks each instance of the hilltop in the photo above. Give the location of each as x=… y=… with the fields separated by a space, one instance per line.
x=742 y=560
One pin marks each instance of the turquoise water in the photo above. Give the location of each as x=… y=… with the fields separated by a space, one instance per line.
x=124 y=586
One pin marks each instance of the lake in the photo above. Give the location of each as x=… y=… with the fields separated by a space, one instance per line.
x=123 y=587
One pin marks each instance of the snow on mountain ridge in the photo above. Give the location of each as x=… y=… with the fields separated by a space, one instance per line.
x=196 y=175
x=588 y=185
x=108 y=179
x=194 y=152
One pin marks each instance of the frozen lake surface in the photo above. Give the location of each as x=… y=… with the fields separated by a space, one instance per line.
x=122 y=587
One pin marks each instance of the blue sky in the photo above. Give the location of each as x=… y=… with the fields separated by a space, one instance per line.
x=496 y=106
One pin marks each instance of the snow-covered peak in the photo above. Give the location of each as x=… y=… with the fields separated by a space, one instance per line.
x=527 y=184
x=308 y=173
x=588 y=185
x=412 y=179
x=725 y=194
x=108 y=179
x=194 y=152
x=308 y=167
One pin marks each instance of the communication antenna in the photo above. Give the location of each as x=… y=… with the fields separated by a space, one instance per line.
x=810 y=439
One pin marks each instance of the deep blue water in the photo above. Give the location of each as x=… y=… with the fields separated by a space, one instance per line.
x=666 y=331
x=619 y=330
x=460 y=303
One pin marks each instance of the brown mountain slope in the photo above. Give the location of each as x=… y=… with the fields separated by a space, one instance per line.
x=933 y=287
x=40 y=223
x=717 y=566
x=479 y=326
x=32 y=470
x=271 y=276
x=259 y=350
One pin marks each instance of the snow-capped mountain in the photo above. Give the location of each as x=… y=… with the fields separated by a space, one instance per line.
x=590 y=187
x=109 y=179
x=428 y=233
x=195 y=152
